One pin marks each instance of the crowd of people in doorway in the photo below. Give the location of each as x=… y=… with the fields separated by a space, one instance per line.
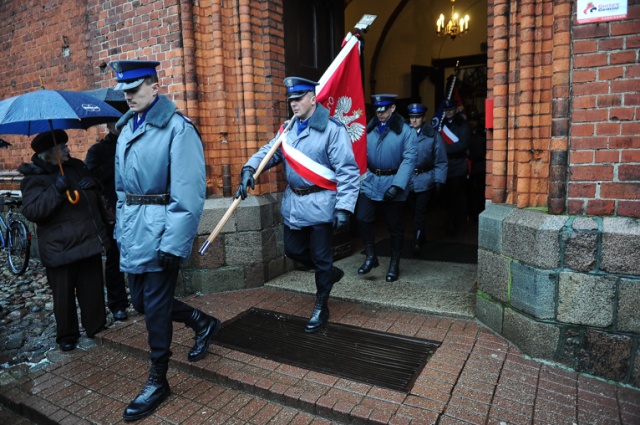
x=139 y=195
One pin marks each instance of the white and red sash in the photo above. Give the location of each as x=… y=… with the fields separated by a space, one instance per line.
x=448 y=135
x=309 y=169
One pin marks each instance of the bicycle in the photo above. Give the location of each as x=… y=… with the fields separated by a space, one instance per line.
x=15 y=238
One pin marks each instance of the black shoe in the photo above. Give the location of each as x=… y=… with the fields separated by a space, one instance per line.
x=338 y=274
x=68 y=344
x=319 y=316
x=120 y=315
x=206 y=327
x=369 y=263
x=152 y=395
x=417 y=242
x=394 y=270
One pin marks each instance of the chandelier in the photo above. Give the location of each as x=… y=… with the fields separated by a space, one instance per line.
x=456 y=25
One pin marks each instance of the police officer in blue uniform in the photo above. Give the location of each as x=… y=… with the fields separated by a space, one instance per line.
x=391 y=159
x=430 y=172
x=160 y=187
x=323 y=179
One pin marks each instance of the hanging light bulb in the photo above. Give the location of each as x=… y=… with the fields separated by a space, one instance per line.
x=455 y=27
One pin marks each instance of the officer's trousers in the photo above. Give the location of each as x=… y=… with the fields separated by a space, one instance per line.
x=420 y=210
x=366 y=214
x=83 y=280
x=311 y=246
x=153 y=294
x=114 y=278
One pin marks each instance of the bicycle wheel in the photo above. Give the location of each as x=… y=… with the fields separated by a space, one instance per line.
x=19 y=247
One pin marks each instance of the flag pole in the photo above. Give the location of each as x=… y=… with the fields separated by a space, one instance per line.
x=350 y=42
x=234 y=205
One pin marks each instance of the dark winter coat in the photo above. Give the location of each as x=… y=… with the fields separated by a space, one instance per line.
x=456 y=152
x=100 y=160
x=66 y=233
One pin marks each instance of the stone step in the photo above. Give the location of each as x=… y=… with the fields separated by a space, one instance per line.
x=429 y=287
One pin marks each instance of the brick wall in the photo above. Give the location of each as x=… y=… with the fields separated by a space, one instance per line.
x=37 y=46
x=566 y=109
x=222 y=63
x=604 y=156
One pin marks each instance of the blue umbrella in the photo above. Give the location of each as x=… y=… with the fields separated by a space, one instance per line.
x=44 y=110
x=47 y=110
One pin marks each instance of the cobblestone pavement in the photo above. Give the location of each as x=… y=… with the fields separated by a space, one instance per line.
x=27 y=325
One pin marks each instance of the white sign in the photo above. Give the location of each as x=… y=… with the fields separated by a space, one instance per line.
x=601 y=10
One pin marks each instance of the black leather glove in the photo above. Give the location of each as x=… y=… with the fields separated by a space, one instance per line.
x=391 y=193
x=61 y=184
x=168 y=261
x=246 y=179
x=439 y=189
x=341 y=220
x=87 y=183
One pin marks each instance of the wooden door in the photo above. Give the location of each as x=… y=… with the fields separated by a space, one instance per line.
x=313 y=33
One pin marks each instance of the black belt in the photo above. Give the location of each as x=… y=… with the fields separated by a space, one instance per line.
x=162 y=199
x=456 y=155
x=306 y=190
x=417 y=171
x=379 y=172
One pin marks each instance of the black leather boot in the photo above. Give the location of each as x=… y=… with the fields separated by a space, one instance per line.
x=337 y=275
x=205 y=327
x=417 y=242
x=370 y=261
x=152 y=395
x=320 y=314
x=394 y=269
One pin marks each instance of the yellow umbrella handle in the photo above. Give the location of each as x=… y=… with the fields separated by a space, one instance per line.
x=55 y=144
x=75 y=194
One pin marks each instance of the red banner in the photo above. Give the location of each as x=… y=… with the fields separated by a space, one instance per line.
x=340 y=90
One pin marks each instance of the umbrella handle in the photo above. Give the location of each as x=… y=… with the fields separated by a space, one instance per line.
x=71 y=200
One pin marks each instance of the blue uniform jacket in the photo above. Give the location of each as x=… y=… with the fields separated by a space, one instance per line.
x=394 y=149
x=327 y=142
x=164 y=155
x=431 y=154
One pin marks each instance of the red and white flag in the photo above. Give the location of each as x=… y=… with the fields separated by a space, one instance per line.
x=340 y=90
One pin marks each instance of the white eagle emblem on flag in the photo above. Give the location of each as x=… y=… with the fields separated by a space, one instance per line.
x=343 y=107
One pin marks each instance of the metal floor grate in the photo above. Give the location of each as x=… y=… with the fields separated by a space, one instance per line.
x=372 y=357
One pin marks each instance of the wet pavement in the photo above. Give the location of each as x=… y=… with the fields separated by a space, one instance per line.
x=27 y=325
x=474 y=377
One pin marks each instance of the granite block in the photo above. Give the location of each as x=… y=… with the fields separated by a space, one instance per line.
x=533 y=290
x=534 y=338
x=493 y=274
x=489 y=312
x=581 y=249
x=490 y=226
x=605 y=355
x=532 y=237
x=586 y=299
x=621 y=245
x=629 y=306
